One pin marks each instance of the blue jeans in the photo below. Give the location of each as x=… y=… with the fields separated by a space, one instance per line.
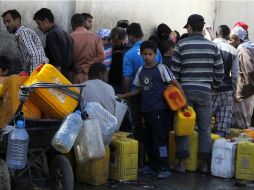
x=202 y=104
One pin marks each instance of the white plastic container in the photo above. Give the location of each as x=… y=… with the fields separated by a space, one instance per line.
x=223 y=158
x=120 y=111
x=89 y=144
x=106 y=120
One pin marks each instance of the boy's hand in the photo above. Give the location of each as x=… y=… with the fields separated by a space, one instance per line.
x=120 y=96
x=185 y=107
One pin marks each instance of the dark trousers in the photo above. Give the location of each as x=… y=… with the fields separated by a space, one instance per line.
x=136 y=115
x=158 y=124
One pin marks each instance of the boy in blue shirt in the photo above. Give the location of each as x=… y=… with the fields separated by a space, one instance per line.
x=151 y=81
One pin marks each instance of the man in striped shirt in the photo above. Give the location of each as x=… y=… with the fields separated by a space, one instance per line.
x=29 y=44
x=198 y=66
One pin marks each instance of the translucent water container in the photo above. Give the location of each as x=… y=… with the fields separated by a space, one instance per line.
x=107 y=121
x=16 y=156
x=123 y=164
x=54 y=104
x=223 y=158
x=94 y=172
x=192 y=161
x=184 y=122
x=245 y=161
x=120 y=111
x=10 y=103
x=174 y=98
x=89 y=144
x=68 y=132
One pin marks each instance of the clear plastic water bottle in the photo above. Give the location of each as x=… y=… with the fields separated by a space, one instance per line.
x=107 y=121
x=17 y=148
x=68 y=132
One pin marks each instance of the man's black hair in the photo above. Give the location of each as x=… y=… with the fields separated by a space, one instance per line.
x=123 y=24
x=5 y=63
x=77 y=20
x=185 y=35
x=86 y=16
x=96 y=69
x=148 y=45
x=155 y=39
x=166 y=45
x=135 y=30
x=197 y=26
x=43 y=14
x=178 y=37
x=14 y=14
x=223 y=31
x=163 y=31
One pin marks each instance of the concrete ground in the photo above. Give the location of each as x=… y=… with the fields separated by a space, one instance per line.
x=188 y=181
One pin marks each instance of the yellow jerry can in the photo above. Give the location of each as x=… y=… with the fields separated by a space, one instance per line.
x=94 y=172
x=54 y=104
x=245 y=161
x=184 y=122
x=192 y=161
x=123 y=164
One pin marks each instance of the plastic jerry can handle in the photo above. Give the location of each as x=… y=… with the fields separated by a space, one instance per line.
x=173 y=95
x=187 y=114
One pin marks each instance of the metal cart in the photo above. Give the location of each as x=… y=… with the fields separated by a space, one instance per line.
x=44 y=163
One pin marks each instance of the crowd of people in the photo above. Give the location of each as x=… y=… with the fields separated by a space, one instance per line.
x=215 y=74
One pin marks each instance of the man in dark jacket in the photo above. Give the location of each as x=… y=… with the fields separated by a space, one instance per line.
x=59 y=47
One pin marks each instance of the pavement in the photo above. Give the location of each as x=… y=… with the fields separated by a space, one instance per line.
x=188 y=181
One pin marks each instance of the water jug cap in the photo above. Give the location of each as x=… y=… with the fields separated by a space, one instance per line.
x=173 y=95
x=187 y=114
x=20 y=124
x=78 y=112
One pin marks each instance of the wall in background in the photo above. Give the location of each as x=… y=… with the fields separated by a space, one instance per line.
x=106 y=13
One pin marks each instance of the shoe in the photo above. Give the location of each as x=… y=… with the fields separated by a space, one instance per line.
x=146 y=170
x=204 y=167
x=180 y=167
x=164 y=175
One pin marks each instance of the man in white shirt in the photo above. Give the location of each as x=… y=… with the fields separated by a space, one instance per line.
x=97 y=90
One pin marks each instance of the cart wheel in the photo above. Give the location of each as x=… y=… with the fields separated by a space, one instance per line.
x=61 y=174
x=4 y=176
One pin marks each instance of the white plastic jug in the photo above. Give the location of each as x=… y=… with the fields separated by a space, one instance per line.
x=120 y=111
x=106 y=120
x=223 y=158
x=89 y=144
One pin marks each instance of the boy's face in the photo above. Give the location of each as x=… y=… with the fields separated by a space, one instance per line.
x=148 y=55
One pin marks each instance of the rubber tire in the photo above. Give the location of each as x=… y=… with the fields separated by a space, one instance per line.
x=62 y=164
x=5 y=180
